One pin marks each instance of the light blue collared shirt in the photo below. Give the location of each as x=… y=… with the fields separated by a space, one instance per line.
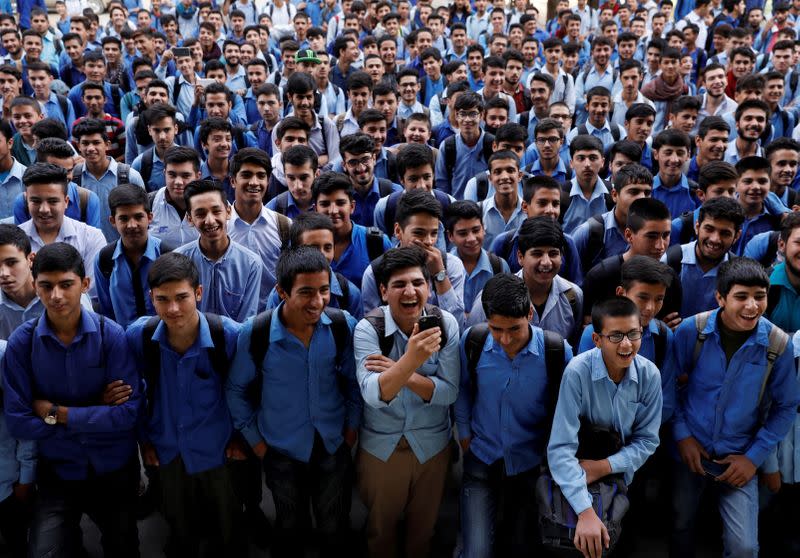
x=580 y=209
x=614 y=242
x=102 y=187
x=471 y=161
x=474 y=281
x=424 y=424
x=701 y=284
x=231 y=284
x=17 y=457
x=494 y=223
x=10 y=188
x=632 y=408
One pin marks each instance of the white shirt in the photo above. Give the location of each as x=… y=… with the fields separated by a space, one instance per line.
x=168 y=225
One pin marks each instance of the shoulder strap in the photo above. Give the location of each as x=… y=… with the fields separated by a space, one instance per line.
x=615 y=133
x=340 y=330
x=450 y=154
x=488 y=140
x=389 y=212
x=378 y=322
x=554 y=362
x=594 y=243
x=793 y=78
x=151 y=352
x=496 y=263
x=238 y=137
x=508 y=243
x=63 y=104
x=778 y=340
x=701 y=320
x=583 y=130
x=773 y=299
x=687 y=227
x=123 y=173
x=675 y=258
x=482 y=186
x=772 y=249
x=385 y=187
x=284 y=226
x=218 y=355
x=344 y=300
x=146 y=169
x=572 y=298
x=660 y=344
x=391 y=165
x=151 y=196
x=176 y=91
x=473 y=347
x=83 y=202
x=374 y=242
x=105 y=259
x=282 y=203
x=116 y=95
x=77 y=172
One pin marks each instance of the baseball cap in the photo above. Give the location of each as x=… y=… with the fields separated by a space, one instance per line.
x=307 y=55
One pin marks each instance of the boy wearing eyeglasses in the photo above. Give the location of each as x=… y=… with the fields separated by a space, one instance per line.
x=611 y=387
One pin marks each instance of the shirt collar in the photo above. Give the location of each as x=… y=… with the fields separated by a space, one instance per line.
x=530 y=348
x=85 y=325
x=599 y=188
x=683 y=183
x=149 y=250
x=761 y=334
x=600 y=371
x=203 y=340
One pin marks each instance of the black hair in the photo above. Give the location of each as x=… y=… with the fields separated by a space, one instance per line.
x=89 y=127
x=127 y=195
x=173 y=267
x=506 y=295
x=736 y=271
x=751 y=104
x=468 y=100
x=684 y=103
x=716 y=123
x=639 y=110
x=781 y=143
x=159 y=111
x=291 y=123
x=359 y=79
x=210 y=125
x=329 y=182
x=632 y=174
x=629 y=148
x=297 y=260
x=752 y=163
x=50 y=128
x=646 y=209
x=399 y=259
x=251 y=155
x=308 y=221
x=714 y=172
x=370 y=115
x=15 y=236
x=511 y=132
x=585 y=142
x=614 y=307
x=356 y=144
x=177 y=155
x=203 y=186
x=45 y=173
x=299 y=155
x=724 y=208
x=789 y=223
x=597 y=91
x=300 y=83
x=644 y=269
x=414 y=202
x=539 y=231
x=546 y=79
x=502 y=155
x=58 y=257
x=412 y=156
x=534 y=183
x=461 y=209
x=673 y=138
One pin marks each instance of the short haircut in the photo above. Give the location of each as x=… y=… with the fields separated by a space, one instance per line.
x=632 y=174
x=684 y=103
x=300 y=83
x=297 y=260
x=468 y=100
x=308 y=221
x=639 y=110
x=535 y=232
x=752 y=104
x=673 y=138
x=716 y=123
x=359 y=80
x=50 y=128
x=159 y=111
x=715 y=172
x=356 y=144
x=752 y=163
x=790 y=223
x=412 y=156
x=89 y=127
x=597 y=91
x=45 y=173
x=750 y=82
x=461 y=209
x=646 y=209
x=292 y=123
x=722 y=208
x=535 y=183
x=585 y=142
x=203 y=186
x=177 y=155
x=614 y=307
x=370 y=115
x=415 y=202
x=300 y=155
x=211 y=125
x=503 y=155
x=329 y=182
x=6 y=130
x=53 y=147
x=736 y=271
x=58 y=257
x=26 y=102
x=506 y=295
x=251 y=155
x=511 y=132
x=400 y=259
x=630 y=149
x=644 y=269
x=127 y=195
x=173 y=267
x=781 y=143
x=546 y=79
x=14 y=236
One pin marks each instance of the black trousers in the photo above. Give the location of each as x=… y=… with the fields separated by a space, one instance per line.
x=14 y=522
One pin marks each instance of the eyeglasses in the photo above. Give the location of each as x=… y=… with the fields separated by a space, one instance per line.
x=618 y=336
x=545 y=141
x=472 y=115
x=355 y=163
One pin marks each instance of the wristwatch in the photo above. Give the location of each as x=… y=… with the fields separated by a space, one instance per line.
x=51 y=417
x=441 y=276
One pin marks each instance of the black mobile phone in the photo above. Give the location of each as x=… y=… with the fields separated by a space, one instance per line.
x=712 y=468
x=429 y=322
x=181 y=51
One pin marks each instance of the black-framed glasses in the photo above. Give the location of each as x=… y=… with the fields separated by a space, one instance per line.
x=618 y=336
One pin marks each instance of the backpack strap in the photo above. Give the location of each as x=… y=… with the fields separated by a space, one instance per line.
x=700 y=322
x=151 y=352
x=488 y=149
x=594 y=242
x=473 y=347
x=660 y=343
x=284 y=226
x=390 y=210
x=377 y=320
x=482 y=186
x=391 y=166
x=508 y=244
x=339 y=329
x=282 y=203
x=572 y=298
x=176 y=91
x=63 y=104
x=385 y=187
x=83 y=202
x=687 y=227
x=123 y=173
x=772 y=249
x=259 y=345
x=146 y=170
x=778 y=340
x=675 y=258
x=344 y=300
x=77 y=173
x=238 y=137
x=374 y=242
x=496 y=263
x=554 y=362
x=116 y=95
x=105 y=259
x=615 y=133
x=218 y=355
x=449 y=149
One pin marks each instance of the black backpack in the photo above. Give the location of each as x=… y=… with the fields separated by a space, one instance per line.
x=394 y=198
x=481 y=186
x=675 y=258
x=123 y=173
x=377 y=320
x=152 y=354
x=687 y=228
x=259 y=344
x=146 y=170
x=374 y=243
x=615 y=132
x=449 y=148
x=772 y=249
x=594 y=243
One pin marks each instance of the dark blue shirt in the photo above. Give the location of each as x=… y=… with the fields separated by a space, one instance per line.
x=189 y=416
x=37 y=365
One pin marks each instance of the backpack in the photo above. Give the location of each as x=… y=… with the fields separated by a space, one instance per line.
x=594 y=243
x=615 y=132
x=63 y=104
x=481 y=186
x=660 y=344
x=496 y=263
x=772 y=249
x=259 y=344
x=152 y=354
x=777 y=343
x=675 y=258
x=146 y=170
x=449 y=148
x=123 y=173
x=374 y=243
x=687 y=227
x=344 y=300
x=377 y=320
x=394 y=198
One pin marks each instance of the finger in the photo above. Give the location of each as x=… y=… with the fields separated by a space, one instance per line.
x=113 y=384
x=606 y=537
x=121 y=401
x=597 y=546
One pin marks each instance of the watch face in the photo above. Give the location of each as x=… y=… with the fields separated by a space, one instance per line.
x=50 y=420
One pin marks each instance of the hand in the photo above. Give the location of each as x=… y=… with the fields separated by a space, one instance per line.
x=166 y=57
x=235 y=450
x=241 y=92
x=465 y=444
x=739 y=472
x=772 y=481
x=691 y=451
x=116 y=393
x=591 y=536
x=199 y=90
x=378 y=363
x=23 y=492
x=260 y=449
x=434 y=260
x=41 y=407
x=422 y=344
x=595 y=470
x=350 y=437
x=149 y=455
x=672 y=320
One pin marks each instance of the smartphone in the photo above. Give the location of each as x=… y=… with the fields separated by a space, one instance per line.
x=429 y=322
x=712 y=468
x=205 y=82
x=181 y=51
